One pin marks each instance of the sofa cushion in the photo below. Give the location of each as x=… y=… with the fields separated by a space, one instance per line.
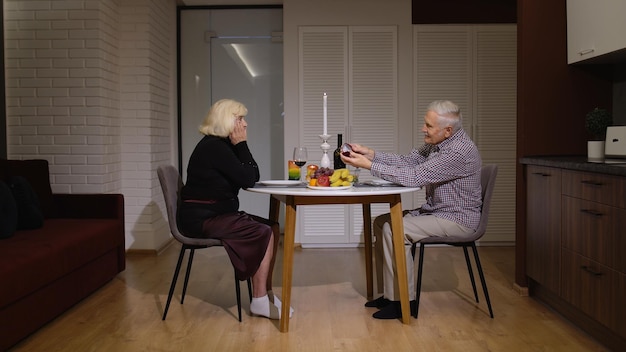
x=8 y=211
x=38 y=176
x=34 y=258
x=29 y=215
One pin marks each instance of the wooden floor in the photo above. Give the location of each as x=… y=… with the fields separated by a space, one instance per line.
x=328 y=295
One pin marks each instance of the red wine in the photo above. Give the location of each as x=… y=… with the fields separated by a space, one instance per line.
x=300 y=163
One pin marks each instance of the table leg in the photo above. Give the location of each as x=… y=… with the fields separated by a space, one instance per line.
x=273 y=215
x=290 y=232
x=367 y=232
x=397 y=228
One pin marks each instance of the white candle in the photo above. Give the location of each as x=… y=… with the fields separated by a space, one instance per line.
x=325 y=118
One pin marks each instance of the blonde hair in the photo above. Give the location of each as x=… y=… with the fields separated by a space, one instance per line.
x=220 y=120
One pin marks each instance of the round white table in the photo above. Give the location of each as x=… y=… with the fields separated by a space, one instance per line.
x=293 y=196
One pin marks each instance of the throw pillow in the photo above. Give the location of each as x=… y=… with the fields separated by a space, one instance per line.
x=8 y=212
x=29 y=215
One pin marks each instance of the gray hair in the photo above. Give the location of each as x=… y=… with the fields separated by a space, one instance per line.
x=448 y=112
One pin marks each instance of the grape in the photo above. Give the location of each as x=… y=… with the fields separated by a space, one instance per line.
x=323 y=171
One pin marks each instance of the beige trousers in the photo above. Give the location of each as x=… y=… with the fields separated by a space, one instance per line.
x=415 y=228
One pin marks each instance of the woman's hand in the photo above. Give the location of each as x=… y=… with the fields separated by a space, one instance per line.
x=239 y=133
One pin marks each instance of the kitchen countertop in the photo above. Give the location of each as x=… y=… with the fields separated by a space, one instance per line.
x=579 y=163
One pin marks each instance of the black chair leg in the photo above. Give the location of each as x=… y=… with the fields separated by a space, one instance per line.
x=482 y=279
x=238 y=290
x=418 y=288
x=191 y=253
x=471 y=272
x=173 y=284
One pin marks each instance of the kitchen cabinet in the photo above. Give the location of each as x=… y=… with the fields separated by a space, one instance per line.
x=543 y=213
x=594 y=216
x=595 y=28
x=576 y=245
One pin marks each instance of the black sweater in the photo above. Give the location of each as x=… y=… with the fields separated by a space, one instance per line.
x=216 y=172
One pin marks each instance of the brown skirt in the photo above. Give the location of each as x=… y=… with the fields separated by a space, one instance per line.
x=245 y=238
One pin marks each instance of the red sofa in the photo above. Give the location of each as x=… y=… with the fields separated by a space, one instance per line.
x=46 y=270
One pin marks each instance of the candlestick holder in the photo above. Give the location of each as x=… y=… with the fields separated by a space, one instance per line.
x=325 y=162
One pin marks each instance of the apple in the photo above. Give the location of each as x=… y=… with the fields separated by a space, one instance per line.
x=323 y=181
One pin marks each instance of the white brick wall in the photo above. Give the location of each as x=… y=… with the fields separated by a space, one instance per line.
x=89 y=88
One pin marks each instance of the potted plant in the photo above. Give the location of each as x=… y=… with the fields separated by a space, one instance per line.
x=596 y=122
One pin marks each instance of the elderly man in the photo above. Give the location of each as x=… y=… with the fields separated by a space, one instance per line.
x=448 y=167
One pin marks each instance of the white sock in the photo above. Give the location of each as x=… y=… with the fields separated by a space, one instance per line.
x=263 y=307
x=279 y=305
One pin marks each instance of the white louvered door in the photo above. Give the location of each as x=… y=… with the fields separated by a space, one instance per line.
x=357 y=67
x=495 y=111
x=475 y=66
x=323 y=67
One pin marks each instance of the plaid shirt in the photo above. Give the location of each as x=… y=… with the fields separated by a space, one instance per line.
x=449 y=171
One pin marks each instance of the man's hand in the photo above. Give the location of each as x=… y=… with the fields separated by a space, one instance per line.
x=239 y=134
x=363 y=150
x=360 y=156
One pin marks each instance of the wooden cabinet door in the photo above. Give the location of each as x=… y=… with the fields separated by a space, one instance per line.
x=543 y=226
x=592 y=229
x=594 y=289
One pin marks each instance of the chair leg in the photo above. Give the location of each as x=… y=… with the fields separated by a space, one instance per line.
x=238 y=291
x=482 y=279
x=418 y=287
x=471 y=272
x=173 y=284
x=191 y=253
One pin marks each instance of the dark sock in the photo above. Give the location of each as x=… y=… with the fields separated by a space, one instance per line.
x=379 y=302
x=394 y=311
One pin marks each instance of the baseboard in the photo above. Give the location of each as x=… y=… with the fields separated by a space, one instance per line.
x=151 y=252
x=522 y=291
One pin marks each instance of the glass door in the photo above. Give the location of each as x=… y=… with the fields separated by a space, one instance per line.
x=237 y=54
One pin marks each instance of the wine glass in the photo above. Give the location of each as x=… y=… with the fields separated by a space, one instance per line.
x=299 y=158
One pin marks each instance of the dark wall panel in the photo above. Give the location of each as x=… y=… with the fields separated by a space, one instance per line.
x=464 y=11
x=552 y=98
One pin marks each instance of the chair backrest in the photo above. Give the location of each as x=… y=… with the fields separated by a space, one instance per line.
x=488 y=175
x=171 y=184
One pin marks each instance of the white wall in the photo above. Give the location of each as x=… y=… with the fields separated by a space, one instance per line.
x=91 y=88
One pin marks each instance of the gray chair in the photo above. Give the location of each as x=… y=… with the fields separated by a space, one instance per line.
x=171 y=183
x=488 y=180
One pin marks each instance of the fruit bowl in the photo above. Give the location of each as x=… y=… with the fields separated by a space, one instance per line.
x=329 y=188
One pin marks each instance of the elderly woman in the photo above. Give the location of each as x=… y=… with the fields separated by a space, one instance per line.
x=220 y=165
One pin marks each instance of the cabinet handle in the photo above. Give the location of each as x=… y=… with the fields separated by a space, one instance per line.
x=586 y=51
x=541 y=174
x=591 y=212
x=591 y=270
x=591 y=183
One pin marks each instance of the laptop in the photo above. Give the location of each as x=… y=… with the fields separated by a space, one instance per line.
x=615 y=145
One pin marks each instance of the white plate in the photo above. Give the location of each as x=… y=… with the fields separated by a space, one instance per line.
x=329 y=188
x=280 y=183
x=381 y=182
